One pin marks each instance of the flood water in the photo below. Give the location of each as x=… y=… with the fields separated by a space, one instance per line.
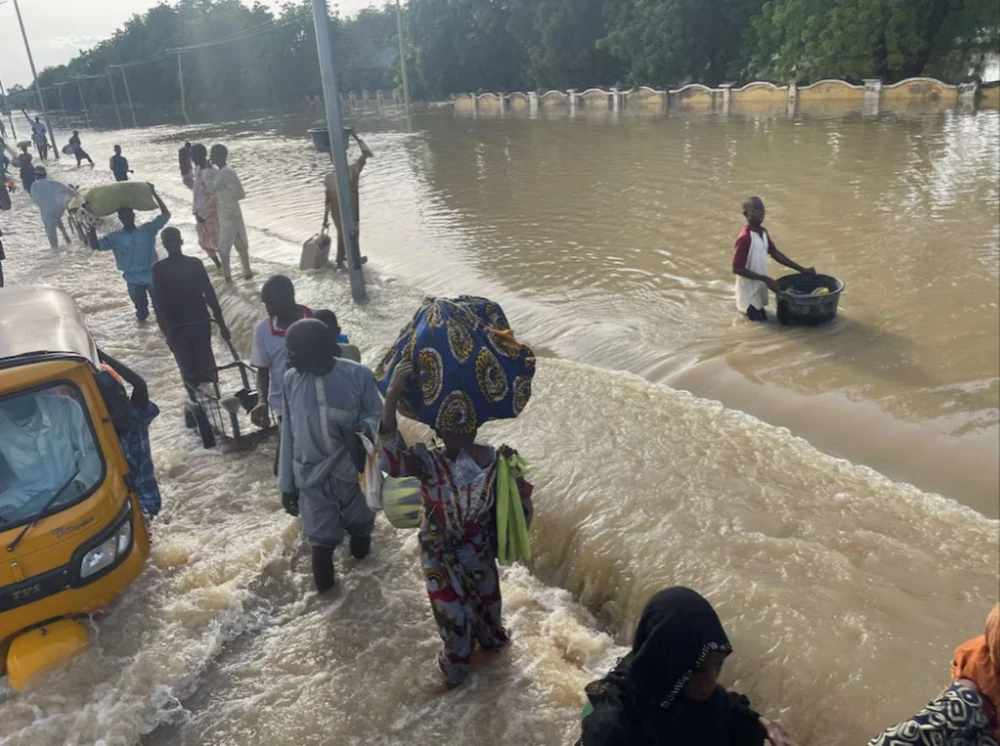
x=833 y=491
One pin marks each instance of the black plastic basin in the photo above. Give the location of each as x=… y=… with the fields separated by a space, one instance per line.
x=802 y=309
x=320 y=137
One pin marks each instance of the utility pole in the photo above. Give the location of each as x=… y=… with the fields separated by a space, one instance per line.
x=402 y=59
x=38 y=88
x=128 y=95
x=83 y=101
x=114 y=98
x=6 y=101
x=180 y=77
x=62 y=103
x=331 y=96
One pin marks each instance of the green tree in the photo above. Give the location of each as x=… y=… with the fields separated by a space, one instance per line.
x=892 y=39
x=662 y=42
x=462 y=45
x=560 y=42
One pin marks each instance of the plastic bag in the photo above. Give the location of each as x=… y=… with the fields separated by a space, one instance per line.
x=513 y=539
x=371 y=478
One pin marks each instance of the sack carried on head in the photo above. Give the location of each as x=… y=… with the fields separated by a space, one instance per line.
x=110 y=198
x=468 y=367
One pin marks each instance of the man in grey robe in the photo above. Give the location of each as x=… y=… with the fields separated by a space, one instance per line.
x=326 y=400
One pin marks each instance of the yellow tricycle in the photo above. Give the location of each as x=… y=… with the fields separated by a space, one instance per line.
x=72 y=534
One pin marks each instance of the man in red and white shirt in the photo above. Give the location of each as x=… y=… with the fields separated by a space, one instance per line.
x=268 y=351
x=750 y=263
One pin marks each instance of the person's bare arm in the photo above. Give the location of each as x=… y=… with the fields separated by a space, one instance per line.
x=212 y=301
x=400 y=377
x=769 y=281
x=366 y=152
x=782 y=259
x=259 y=413
x=159 y=202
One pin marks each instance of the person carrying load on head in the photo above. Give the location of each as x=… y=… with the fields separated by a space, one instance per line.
x=753 y=246
x=182 y=297
x=134 y=248
x=471 y=493
x=205 y=206
x=333 y=201
x=326 y=402
x=225 y=184
x=76 y=148
x=52 y=199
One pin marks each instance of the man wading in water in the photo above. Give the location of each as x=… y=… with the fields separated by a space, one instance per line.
x=182 y=297
x=333 y=200
x=750 y=263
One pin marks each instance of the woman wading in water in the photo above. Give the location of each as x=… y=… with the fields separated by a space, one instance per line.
x=666 y=692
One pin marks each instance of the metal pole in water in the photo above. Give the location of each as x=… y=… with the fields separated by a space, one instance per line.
x=331 y=96
x=114 y=98
x=38 y=88
x=180 y=77
x=62 y=103
x=402 y=59
x=128 y=95
x=10 y=116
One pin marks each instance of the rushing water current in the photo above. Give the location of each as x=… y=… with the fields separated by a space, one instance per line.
x=833 y=491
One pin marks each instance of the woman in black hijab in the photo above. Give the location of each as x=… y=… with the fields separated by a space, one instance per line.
x=665 y=692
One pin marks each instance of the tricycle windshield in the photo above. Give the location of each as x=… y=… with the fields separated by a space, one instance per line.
x=49 y=458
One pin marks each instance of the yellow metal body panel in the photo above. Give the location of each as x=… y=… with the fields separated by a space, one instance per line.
x=49 y=544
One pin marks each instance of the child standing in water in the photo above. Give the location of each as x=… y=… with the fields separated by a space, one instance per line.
x=750 y=263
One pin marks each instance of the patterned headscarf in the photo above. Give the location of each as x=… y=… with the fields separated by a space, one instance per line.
x=469 y=368
x=979 y=659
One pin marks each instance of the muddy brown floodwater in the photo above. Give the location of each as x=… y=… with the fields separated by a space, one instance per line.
x=833 y=491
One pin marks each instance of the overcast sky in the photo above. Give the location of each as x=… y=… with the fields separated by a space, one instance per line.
x=59 y=29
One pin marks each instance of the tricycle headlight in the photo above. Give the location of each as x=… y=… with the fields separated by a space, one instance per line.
x=100 y=557
x=108 y=552
x=124 y=537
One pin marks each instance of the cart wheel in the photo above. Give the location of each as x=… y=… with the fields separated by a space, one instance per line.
x=189 y=421
x=203 y=426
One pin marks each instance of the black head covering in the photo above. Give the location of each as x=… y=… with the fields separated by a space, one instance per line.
x=310 y=347
x=677 y=630
x=639 y=703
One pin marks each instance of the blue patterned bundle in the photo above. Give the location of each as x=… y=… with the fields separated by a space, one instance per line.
x=469 y=368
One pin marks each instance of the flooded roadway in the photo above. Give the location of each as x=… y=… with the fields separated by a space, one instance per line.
x=609 y=245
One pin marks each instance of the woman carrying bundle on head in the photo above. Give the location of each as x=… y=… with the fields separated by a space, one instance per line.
x=455 y=367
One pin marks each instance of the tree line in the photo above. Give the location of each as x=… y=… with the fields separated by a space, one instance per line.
x=468 y=45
